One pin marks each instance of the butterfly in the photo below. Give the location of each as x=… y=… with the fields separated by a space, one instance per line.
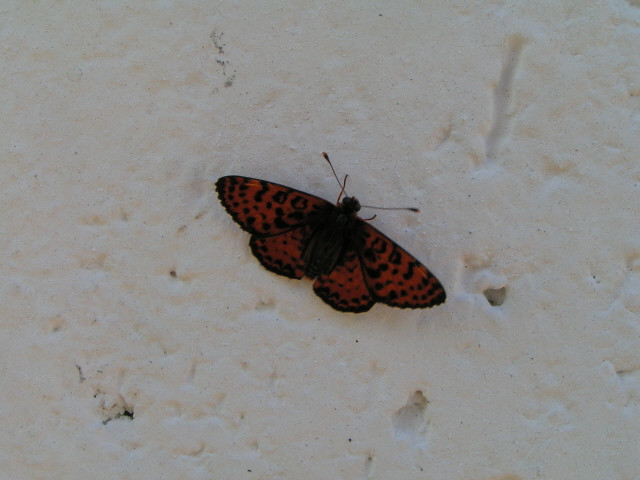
x=296 y=234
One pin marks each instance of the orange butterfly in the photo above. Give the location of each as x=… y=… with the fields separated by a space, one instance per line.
x=294 y=234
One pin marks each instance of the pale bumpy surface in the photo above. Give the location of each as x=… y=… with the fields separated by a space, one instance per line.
x=140 y=338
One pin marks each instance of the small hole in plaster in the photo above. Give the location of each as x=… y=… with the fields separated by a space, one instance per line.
x=113 y=408
x=495 y=296
x=173 y=274
x=125 y=414
x=369 y=467
x=409 y=421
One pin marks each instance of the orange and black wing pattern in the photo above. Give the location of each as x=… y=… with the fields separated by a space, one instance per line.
x=393 y=276
x=276 y=216
x=266 y=208
x=344 y=288
x=372 y=268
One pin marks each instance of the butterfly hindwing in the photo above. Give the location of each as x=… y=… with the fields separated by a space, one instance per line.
x=393 y=275
x=344 y=287
x=266 y=208
x=282 y=253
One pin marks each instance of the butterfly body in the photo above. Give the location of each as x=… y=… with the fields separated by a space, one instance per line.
x=331 y=238
x=297 y=234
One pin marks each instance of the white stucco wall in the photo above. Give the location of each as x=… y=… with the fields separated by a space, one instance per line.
x=139 y=338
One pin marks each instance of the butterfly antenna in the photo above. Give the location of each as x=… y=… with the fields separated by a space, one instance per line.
x=411 y=209
x=326 y=157
x=342 y=184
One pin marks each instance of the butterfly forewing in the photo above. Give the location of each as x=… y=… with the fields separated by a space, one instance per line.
x=265 y=208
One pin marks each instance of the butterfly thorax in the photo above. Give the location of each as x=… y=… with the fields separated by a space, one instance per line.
x=331 y=238
x=350 y=206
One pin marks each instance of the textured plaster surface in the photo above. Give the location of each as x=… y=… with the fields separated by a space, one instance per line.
x=140 y=339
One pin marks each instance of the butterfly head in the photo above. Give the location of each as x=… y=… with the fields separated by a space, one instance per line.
x=350 y=205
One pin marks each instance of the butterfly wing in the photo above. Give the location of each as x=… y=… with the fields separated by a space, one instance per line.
x=393 y=276
x=344 y=288
x=265 y=208
x=282 y=253
x=279 y=219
